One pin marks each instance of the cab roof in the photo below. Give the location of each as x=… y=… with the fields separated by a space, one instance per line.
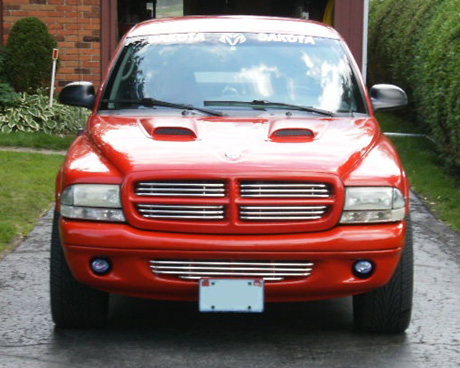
x=232 y=24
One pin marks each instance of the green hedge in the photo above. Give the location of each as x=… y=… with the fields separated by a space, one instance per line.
x=416 y=45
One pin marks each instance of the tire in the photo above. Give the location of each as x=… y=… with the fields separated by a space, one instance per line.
x=388 y=309
x=73 y=305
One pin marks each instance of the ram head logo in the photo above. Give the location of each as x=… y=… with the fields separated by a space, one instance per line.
x=233 y=39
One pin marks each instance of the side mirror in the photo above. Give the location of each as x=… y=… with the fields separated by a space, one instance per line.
x=78 y=94
x=387 y=96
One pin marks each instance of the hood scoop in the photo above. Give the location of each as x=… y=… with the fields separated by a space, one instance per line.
x=292 y=131
x=173 y=129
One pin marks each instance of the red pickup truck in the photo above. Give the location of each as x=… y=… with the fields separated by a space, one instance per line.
x=232 y=161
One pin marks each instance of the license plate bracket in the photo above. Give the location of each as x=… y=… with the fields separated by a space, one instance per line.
x=231 y=295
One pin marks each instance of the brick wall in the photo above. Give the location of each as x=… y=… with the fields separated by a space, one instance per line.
x=75 y=24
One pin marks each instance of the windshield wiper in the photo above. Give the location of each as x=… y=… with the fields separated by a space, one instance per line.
x=151 y=102
x=262 y=104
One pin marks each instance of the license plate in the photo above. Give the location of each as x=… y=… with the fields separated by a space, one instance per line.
x=232 y=295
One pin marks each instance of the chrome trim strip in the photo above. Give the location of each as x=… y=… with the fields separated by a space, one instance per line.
x=232 y=273
x=199 y=277
x=191 y=216
x=172 y=268
x=180 y=189
x=284 y=185
x=182 y=184
x=172 y=190
x=274 y=189
x=176 y=206
x=261 y=213
x=230 y=263
x=283 y=208
x=193 y=212
x=268 y=270
x=285 y=196
x=185 y=212
x=279 y=213
x=258 y=218
x=262 y=190
x=180 y=195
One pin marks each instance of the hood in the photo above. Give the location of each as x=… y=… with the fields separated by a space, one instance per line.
x=227 y=145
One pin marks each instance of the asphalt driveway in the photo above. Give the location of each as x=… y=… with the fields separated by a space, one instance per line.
x=143 y=333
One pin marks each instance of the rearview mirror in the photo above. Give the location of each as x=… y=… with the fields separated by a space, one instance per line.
x=387 y=96
x=78 y=94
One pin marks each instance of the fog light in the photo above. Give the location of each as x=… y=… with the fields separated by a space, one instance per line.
x=363 y=269
x=100 y=265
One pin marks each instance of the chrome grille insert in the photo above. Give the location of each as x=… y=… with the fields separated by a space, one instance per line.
x=284 y=189
x=197 y=269
x=282 y=213
x=192 y=212
x=194 y=188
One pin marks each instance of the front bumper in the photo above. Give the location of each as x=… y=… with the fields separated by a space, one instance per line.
x=333 y=253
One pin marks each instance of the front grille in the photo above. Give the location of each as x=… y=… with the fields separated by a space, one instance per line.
x=183 y=188
x=216 y=205
x=192 y=212
x=198 y=269
x=284 y=189
x=282 y=213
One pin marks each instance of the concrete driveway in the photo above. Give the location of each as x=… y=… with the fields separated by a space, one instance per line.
x=143 y=333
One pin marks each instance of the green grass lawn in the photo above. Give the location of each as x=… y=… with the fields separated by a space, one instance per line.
x=35 y=140
x=26 y=191
x=429 y=178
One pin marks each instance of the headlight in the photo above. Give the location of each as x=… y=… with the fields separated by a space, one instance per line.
x=373 y=205
x=99 y=202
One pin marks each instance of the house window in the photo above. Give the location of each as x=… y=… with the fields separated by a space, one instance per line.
x=131 y=12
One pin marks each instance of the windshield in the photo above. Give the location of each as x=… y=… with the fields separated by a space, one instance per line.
x=200 y=69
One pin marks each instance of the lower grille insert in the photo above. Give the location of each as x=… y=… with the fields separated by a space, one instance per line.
x=282 y=213
x=197 y=269
x=192 y=212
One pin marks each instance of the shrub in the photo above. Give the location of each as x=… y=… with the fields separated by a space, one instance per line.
x=32 y=113
x=416 y=45
x=28 y=55
x=7 y=94
x=8 y=97
x=3 y=77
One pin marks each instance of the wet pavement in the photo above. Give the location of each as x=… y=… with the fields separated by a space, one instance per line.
x=143 y=333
